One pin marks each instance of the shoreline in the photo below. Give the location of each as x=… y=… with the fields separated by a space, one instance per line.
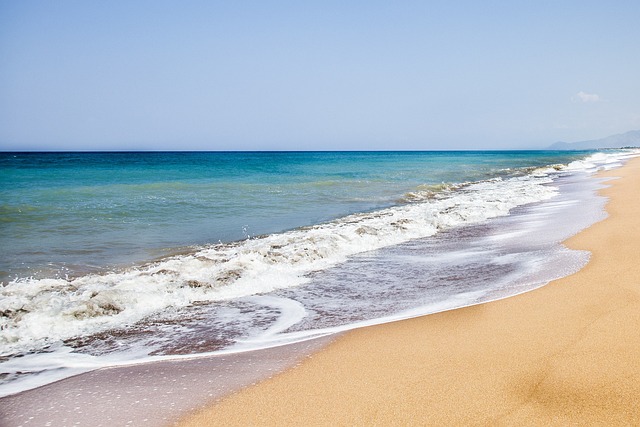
x=564 y=353
x=155 y=399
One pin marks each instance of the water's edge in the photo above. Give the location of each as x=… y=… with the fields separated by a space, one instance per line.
x=230 y=370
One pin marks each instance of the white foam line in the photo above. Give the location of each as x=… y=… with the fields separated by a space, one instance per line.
x=291 y=311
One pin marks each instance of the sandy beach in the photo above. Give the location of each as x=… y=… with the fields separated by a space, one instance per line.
x=564 y=354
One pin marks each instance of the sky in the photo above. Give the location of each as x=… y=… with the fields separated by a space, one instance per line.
x=315 y=75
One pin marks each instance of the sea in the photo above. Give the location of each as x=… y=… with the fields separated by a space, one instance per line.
x=113 y=258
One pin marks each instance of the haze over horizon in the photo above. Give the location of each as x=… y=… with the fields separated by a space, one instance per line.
x=299 y=76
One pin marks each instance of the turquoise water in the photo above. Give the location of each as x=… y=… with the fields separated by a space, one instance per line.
x=71 y=213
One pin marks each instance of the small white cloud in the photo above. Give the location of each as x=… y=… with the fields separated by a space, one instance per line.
x=586 y=97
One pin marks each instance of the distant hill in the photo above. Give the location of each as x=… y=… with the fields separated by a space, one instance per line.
x=628 y=139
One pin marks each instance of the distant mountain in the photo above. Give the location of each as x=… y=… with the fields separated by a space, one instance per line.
x=628 y=139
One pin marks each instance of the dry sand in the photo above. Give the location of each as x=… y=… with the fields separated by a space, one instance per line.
x=565 y=354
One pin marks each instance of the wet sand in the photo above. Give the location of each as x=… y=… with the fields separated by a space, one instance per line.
x=564 y=354
x=149 y=394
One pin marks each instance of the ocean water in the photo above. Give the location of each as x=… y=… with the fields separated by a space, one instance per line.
x=113 y=258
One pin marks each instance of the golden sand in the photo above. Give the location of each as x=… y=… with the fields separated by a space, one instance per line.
x=565 y=354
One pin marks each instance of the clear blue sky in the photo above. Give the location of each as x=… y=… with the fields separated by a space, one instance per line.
x=313 y=75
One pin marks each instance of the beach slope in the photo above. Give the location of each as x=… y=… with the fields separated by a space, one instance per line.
x=567 y=353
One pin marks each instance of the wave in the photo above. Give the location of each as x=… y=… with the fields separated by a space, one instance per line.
x=36 y=313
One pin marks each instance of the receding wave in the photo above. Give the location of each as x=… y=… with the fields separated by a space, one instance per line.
x=37 y=312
